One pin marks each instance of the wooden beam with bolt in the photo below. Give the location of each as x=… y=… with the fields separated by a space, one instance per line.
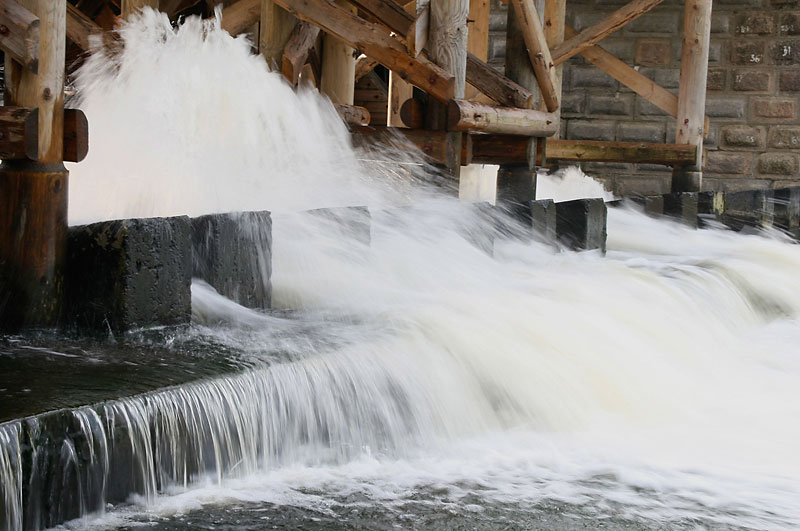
x=598 y=31
x=539 y=53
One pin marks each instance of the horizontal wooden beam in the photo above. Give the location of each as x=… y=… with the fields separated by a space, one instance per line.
x=597 y=31
x=80 y=27
x=19 y=34
x=497 y=86
x=434 y=145
x=295 y=53
x=538 y=52
x=389 y=13
x=19 y=133
x=240 y=15
x=352 y=114
x=463 y=115
x=502 y=149
x=372 y=40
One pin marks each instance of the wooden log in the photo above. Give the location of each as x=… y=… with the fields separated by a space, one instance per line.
x=436 y=146
x=338 y=66
x=495 y=85
x=597 y=31
x=374 y=42
x=477 y=40
x=554 y=25
x=692 y=90
x=240 y=15
x=417 y=36
x=80 y=27
x=19 y=133
x=275 y=29
x=300 y=43
x=539 y=53
x=33 y=195
x=131 y=7
x=463 y=115
x=19 y=34
x=352 y=114
x=502 y=149
x=76 y=135
x=364 y=65
x=412 y=112
x=448 y=39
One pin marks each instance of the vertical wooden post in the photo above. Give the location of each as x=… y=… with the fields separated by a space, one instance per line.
x=516 y=184
x=130 y=7
x=692 y=91
x=399 y=92
x=338 y=67
x=477 y=37
x=447 y=44
x=554 y=16
x=276 y=26
x=33 y=194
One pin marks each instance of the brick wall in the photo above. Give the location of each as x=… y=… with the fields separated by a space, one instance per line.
x=753 y=85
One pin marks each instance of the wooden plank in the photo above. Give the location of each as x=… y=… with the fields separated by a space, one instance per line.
x=364 y=65
x=436 y=146
x=300 y=43
x=240 y=15
x=399 y=93
x=596 y=32
x=538 y=51
x=477 y=39
x=692 y=90
x=19 y=34
x=80 y=27
x=554 y=23
x=274 y=31
x=417 y=36
x=76 y=135
x=19 y=133
x=390 y=13
x=338 y=78
x=372 y=40
x=502 y=149
x=352 y=114
x=495 y=85
x=463 y=115
x=448 y=39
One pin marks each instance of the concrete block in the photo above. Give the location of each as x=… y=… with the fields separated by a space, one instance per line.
x=581 y=224
x=543 y=219
x=785 y=205
x=653 y=204
x=728 y=162
x=681 y=206
x=743 y=136
x=747 y=52
x=785 y=52
x=351 y=222
x=233 y=253
x=778 y=164
x=726 y=107
x=790 y=81
x=616 y=105
x=709 y=207
x=129 y=273
x=751 y=80
x=784 y=137
x=749 y=208
x=774 y=108
x=755 y=23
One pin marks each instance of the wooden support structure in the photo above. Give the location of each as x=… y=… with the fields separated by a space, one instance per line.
x=76 y=135
x=538 y=51
x=496 y=86
x=417 y=36
x=33 y=194
x=503 y=149
x=478 y=42
x=275 y=29
x=80 y=27
x=372 y=40
x=599 y=30
x=464 y=115
x=352 y=114
x=412 y=113
x=19 y=133
x=20 y=38
x=338 y=76
x=131 y=7
x=692 y=90
x=390 y=13
x=295 y=53
x=437 y=147
x=399 y=93
x=240 y=15
x=364 y=65
x=554 y=26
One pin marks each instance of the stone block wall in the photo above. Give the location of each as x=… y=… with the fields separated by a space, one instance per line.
x=752 y=99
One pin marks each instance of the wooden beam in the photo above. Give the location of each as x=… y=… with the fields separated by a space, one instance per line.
x=692 y=90
x=597 y=31
x=502 y=149
x=275 y=29
x=338 y=65
x=131 y=7
x=495 y=85
x=300 y=43
x=19 y=34
x=412 y=113
x=390 y=13
x=554 y=24
x=436 y=146
x=352 y=114
x=417 y=36
x=80 y=27
x=19 y=133
x=240 y=15
x=373 y=41
x=76 y=135
x=364 y=65
x=463 y=115
x=539 y=53
x=399 y=93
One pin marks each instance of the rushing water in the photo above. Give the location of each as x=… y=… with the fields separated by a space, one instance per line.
x=422 y=382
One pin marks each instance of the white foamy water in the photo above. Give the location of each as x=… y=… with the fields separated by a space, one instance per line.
x=656 y=384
